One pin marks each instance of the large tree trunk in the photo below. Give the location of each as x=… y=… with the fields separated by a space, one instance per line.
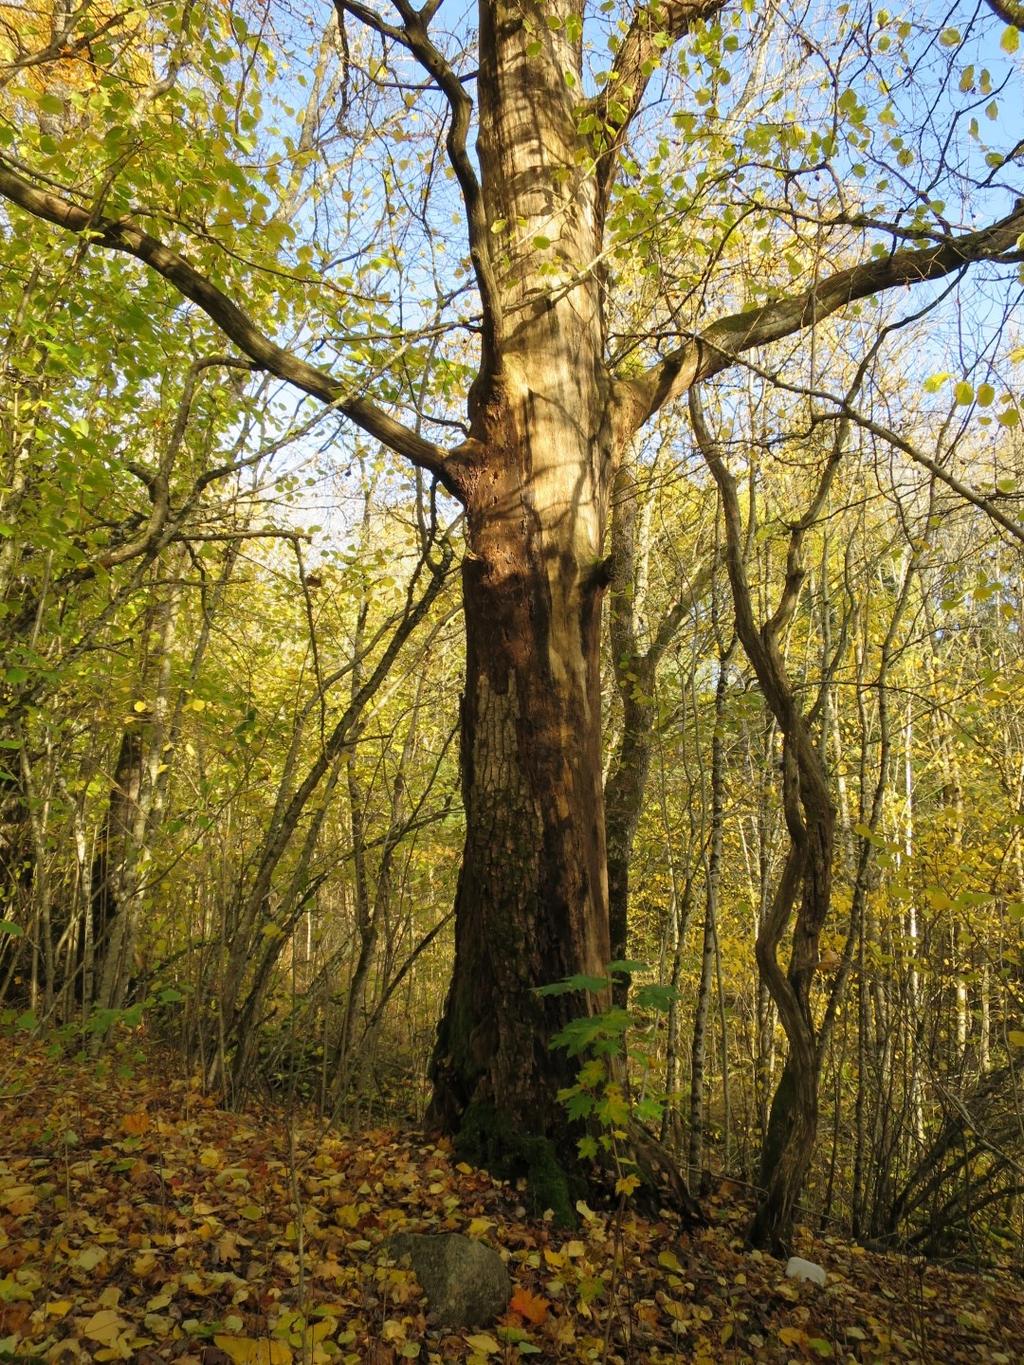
x=532 y=903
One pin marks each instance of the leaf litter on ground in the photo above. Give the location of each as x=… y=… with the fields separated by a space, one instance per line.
x=141 y=1222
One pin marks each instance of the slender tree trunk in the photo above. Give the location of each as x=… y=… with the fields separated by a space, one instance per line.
x=713 y=886
x=805 y=883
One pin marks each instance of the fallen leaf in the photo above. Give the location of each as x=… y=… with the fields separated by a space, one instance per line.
x=249 y=1351
x=135 y=1124
x=484 y=1343
x=529 y=1306
x=105 y=1327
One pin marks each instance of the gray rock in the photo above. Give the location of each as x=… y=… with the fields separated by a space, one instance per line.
x=799 y=1269
x=465 y=1282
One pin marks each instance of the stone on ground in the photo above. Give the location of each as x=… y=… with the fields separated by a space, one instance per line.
x=799 y=1269
x=465 y=1282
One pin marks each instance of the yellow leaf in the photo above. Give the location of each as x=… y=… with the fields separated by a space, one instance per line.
x=105 y=1327
x=57 y=1308
x=143 y=1264
x=669 y=1261
x=791 y=1336
x=326 y=1327
x=248 y=1351
x=210 y=1158
x=626 y=1184
x=479 y=1226
x=555 y=1259
x=484 y=1343
x=574 y=1249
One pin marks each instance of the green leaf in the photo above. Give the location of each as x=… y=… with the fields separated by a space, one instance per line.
x=656 y=997
x=628 y=967
x=594 y=984
x=9 y=927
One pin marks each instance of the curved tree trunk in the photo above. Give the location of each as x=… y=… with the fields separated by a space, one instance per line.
x=805 y=885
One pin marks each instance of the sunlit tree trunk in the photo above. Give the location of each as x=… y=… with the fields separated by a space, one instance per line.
x=532 y=902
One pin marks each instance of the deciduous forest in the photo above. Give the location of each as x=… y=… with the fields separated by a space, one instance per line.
x=511 y=680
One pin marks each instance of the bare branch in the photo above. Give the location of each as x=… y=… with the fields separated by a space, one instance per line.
x=719 y=346
x=963 y=490
x=846 y=412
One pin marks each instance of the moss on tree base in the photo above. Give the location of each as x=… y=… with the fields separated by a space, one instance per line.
x=492 y=1138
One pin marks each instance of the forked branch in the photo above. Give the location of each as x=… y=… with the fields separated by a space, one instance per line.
x=654 y=28
x=414 y=37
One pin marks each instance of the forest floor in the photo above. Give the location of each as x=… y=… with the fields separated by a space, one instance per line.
x=140 y=1222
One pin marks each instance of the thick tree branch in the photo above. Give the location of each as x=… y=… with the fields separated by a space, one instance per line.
x=120 y=235
x=413 y=36
x=720 y=344
x=1012 y=11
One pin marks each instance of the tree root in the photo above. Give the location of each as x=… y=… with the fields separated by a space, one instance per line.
x=659 y=1169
